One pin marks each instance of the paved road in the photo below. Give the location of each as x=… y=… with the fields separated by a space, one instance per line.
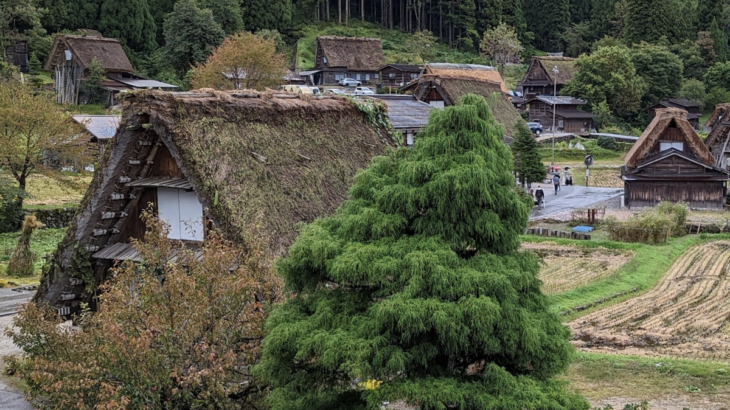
x=572 y=197
x=10 y=398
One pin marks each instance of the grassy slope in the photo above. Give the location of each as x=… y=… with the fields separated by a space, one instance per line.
x=46 y=192
x=43 y=241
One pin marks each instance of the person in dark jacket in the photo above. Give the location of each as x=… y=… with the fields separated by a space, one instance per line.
x=539 y=196
x=556 y=182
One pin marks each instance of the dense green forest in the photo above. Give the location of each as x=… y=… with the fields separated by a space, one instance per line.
x=663 y=48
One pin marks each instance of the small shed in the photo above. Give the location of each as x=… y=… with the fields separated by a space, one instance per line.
x=100 y=129
x=541 y=78
x=17 y=54
x=337 y=58
x=398 y=75
x=670 y=162
x=441 y=91
x=407 y=115
x=692 y=108
x=568 y=118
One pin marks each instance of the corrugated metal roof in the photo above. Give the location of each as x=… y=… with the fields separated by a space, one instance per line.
x=139 y=83
x=118 y=252
x=406 y=111
x=102 y=127
x=179 y=183
x=559 y=100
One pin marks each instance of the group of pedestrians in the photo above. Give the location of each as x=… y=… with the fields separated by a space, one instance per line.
x=540 y=194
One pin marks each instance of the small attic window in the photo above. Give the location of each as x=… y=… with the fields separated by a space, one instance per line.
x=666 y=145
x=182 y=211
x=324 y=60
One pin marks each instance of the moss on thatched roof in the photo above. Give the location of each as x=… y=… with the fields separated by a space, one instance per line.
x=473 y=71
x=355 y=53
x=566 y=68
x=666 y=117
x=86 y=48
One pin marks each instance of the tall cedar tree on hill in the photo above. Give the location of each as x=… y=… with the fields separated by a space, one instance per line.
x=131 y=22
x=647 y=20
x=227 y=13
x=191 y=34
x=708 y=10
x=267 y=14
x=548 y=19
x=528 y=165
x=417 y=282
x=719 y=39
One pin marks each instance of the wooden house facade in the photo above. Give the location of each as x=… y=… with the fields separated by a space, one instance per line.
x=568 y=117
x=670 y=162
x=692 y=108
x=337 y=58
x=398 y=75
x=269 y=160
x=69 y=61
x=541 y=78
x=17 y=54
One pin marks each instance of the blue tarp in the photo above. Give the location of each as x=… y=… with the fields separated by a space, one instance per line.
x=581 y=228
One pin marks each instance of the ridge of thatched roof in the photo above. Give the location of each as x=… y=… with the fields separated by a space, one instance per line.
x=354 y=53
x=720 y=113
x=566 y=68
x=663 y=119
x=85 y=48
x=473 y=71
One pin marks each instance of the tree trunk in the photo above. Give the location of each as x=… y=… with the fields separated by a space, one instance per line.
x=327 y=10
x=339 y=11
x=347 y=12
x=362 y=10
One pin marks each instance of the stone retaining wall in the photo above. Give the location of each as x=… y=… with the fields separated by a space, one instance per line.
x=54 y=218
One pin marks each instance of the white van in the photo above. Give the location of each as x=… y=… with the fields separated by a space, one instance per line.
x=293 y=88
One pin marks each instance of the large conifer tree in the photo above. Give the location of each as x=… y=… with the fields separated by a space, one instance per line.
x=528 y=165
x=416 y=286
x=647 y=20
x=131 y=22
x=548 y=19
x=191 y=34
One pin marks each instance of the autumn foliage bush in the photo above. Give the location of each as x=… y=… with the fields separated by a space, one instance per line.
x=174 y=331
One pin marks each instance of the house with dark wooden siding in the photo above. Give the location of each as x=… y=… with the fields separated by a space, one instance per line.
x=202 y=160
x=568 y=118
x=541 y=78
x=17 y=54
x=398 y=75
x=336 y=58
x=692 y=108
x=69 y=61
x=670 y=162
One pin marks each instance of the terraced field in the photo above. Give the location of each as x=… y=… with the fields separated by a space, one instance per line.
x=684 y=316
x=570 y=267
x=599 y=177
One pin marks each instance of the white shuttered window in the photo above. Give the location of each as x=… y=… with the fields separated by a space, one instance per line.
x=182 y=211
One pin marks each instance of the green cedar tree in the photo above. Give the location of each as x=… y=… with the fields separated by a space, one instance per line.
x=647 y=20
x=56 y=18
x=417 y=282
x=708 y=10
x=528 y=165
x=660 y=69
x=191 y=34
x=548 y=19
x=227 y=13
x=129 y=21
x=719 y=39
x=718 y=76
x=267 y=14
x=83 y=14
x=159 y=9
x=608 y=75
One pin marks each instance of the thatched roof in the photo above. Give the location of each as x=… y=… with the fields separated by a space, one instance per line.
x=666 y=117
x=85 y=48
x=355 y=53
x=473 y=71
x=566 y=68
x=717 y=141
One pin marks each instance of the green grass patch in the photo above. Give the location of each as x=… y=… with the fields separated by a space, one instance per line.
x=43 y=241
x=635 y=277
x=88 y=109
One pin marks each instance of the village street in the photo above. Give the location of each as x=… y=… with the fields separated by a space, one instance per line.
x=572 y=197
x=10 y=397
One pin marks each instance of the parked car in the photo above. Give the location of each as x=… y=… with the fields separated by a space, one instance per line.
x=363 y=91
x=350 y=82
x=316 y=91
x=535 y=127
x=335 y=91
x=298 y=89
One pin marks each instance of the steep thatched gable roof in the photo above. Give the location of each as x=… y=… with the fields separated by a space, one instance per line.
x=566 y=68
x=665 y=117
x=355 y=53
x=85 y=48
x=466 y=71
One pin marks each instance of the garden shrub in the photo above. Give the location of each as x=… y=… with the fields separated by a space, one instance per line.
x=607 y=143
x=655 y=225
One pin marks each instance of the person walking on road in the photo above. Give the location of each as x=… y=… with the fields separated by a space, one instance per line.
x=539 y=195
x=556 y=182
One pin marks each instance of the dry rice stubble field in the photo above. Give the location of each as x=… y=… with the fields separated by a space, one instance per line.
x=684 y=316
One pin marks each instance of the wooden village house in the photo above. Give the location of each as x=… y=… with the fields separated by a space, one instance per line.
x=718 y=141
x=216 y=159
x=99 y=130
x=398 y=75
x=69 y=61
x=407 y=115
x=337 y=58
x=541 y=77
x=670 y=162
x=17 y=54
x=692 y=108
x=441 y=90
x=568 y=117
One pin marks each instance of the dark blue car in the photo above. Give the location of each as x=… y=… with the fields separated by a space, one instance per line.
x=535 y=127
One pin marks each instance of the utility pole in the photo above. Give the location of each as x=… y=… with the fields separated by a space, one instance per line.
x=555 y=95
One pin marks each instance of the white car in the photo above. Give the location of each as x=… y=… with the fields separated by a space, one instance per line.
x=363 y=91
x=335 y=91
x=350 y=82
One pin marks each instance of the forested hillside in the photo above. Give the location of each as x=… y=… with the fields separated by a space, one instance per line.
x=663 y=48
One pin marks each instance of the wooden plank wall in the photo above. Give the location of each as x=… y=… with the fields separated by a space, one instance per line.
x=699 y=194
